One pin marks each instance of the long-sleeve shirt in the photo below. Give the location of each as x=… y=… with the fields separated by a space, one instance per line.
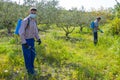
x=28 y=32
x=96 y=25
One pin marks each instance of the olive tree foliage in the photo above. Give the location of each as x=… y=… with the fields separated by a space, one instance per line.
x=30 y=2
x=81 y=20
x=115 y=23
x=47 y=12
x=117 y=9
x=84 y=20
x=8 y=14
x=115 y=26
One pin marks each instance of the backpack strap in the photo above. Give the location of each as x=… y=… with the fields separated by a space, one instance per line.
x=27 y=24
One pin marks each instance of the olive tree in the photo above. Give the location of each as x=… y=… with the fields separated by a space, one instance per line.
x=8 y=15
x=67 y=21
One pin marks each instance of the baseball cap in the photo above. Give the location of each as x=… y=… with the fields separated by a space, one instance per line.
x=33 y=8
x=99 y=17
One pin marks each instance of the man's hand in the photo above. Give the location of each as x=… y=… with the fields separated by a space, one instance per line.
x=27 y=46
x=39 y=41
x=101 y=31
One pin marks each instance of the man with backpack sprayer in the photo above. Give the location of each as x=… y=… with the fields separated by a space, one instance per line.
x=28 y=31
x=95 y=26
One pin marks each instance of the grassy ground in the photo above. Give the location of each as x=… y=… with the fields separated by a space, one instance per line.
x=61 y=59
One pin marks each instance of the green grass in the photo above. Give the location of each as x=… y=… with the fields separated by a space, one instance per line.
x=61 y=59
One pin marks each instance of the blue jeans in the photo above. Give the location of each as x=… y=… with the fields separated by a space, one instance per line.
x=29 y=56
x=95 y=37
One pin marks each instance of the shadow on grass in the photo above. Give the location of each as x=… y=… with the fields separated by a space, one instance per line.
x=88 y=73
x=71 y=39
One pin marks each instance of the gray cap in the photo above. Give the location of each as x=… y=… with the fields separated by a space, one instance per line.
x=33 y=8
x=99 y=17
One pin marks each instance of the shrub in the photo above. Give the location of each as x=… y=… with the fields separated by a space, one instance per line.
x=115 y=26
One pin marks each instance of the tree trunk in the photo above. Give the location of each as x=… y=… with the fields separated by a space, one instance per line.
x=67 y=35
x=81 y=29
x=9 y=31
